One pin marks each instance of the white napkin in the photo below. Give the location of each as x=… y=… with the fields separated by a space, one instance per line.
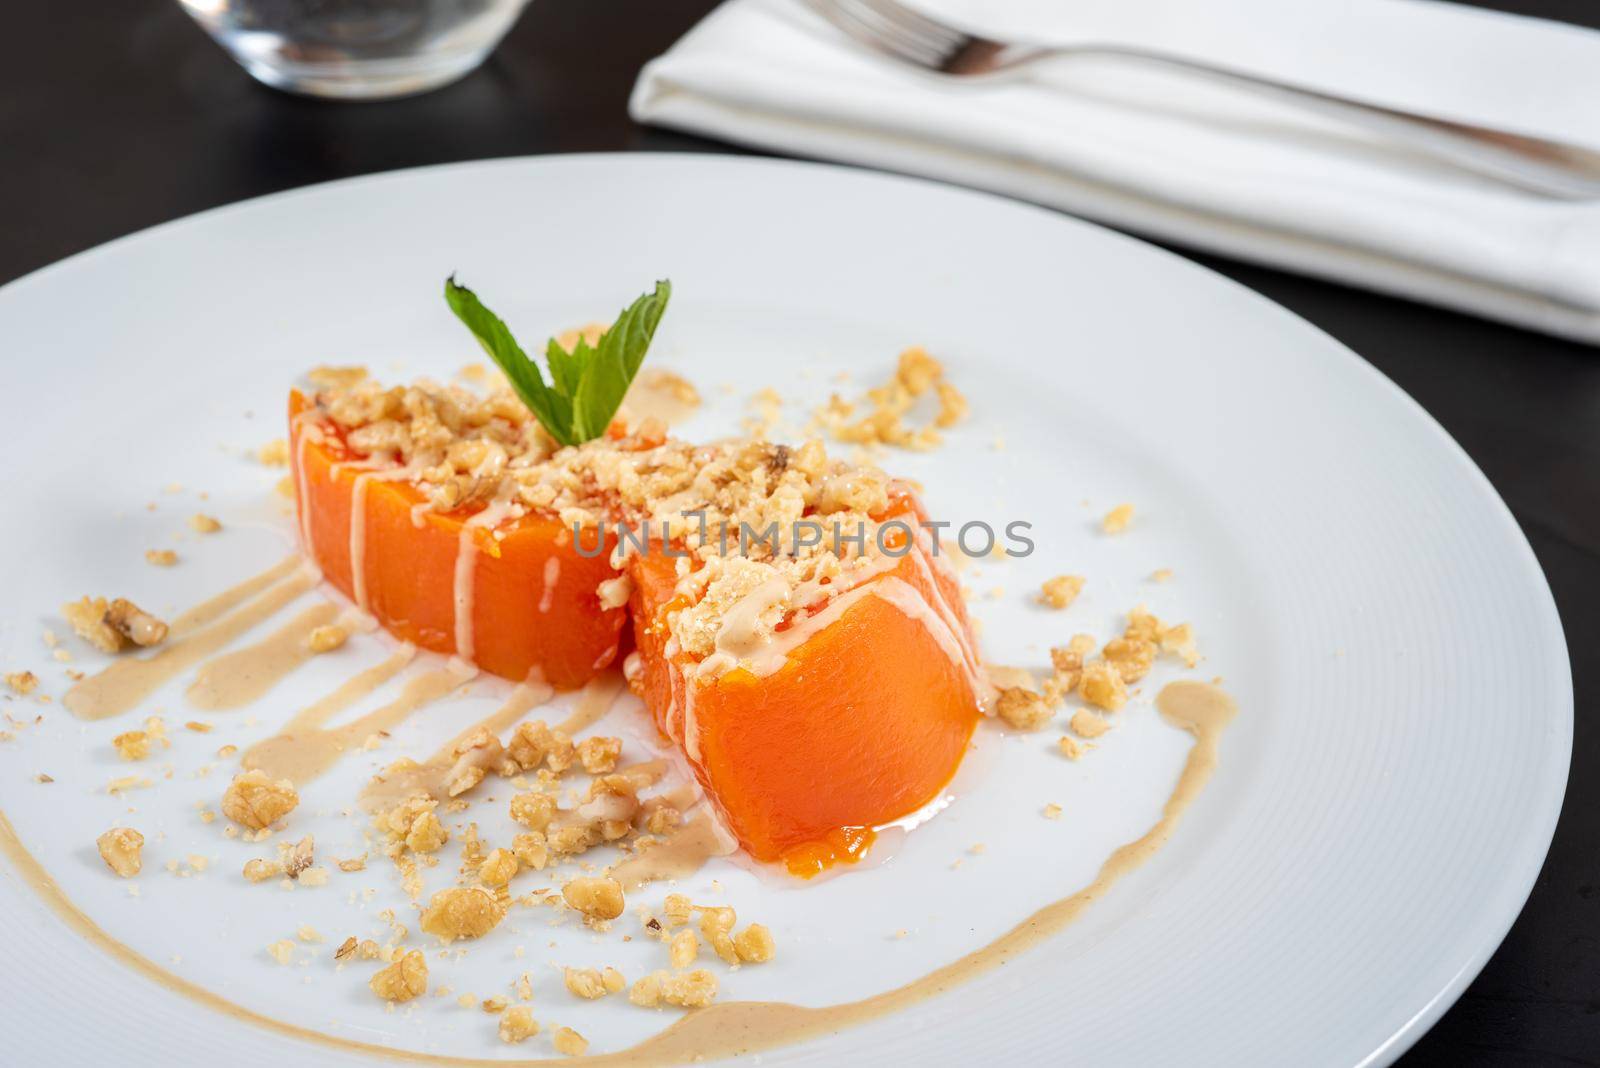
x=1158 y=152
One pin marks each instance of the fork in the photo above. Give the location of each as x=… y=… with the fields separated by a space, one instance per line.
x=1552 y=168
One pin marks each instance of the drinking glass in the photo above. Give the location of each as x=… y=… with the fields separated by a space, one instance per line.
x=356 y=49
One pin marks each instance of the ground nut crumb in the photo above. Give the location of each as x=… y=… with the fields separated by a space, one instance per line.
x=1161 y=574
x=597 y=899
x=1101 y=685
x=1117 y=520
x=327 y=638
x=253 y=800
x=201 y=523
x=683 y=948
x=274 y=453
x=281 y=951
x=461 y=912
x=533 y=810
x=716 y=924
x=690 y=990
x=599 y=755
x=493 y=1004
x=516 y=1023
x=1086 y=724
x=1022 y=708
x=132 y=745
x=1062 y=590
x=88 y=620
x=160 y=557
x=259 y=871
x=403 y=980
x=569 y=1042
x=1132 y=657
x=120 y=849
x=22 y=682
x=1052 y=812
x=426 y=834
x=612 y=980
x=298 y=857
x=530 y=850
x=754 y=944
x=498 y=867
x=584 y=983
x=677 y=909
x=1070 y=747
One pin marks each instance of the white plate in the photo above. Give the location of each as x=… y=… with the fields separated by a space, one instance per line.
x=1382 y=805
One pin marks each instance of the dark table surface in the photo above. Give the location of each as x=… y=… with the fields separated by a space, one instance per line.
x=116 y=116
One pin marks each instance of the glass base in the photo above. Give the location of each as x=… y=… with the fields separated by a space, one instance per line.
x=378 y=79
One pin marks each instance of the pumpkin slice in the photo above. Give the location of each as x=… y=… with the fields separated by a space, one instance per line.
x=857 y=714
x=511 y=594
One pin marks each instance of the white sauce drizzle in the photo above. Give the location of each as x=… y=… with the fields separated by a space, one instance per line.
x=465 y=582
x=552 y=574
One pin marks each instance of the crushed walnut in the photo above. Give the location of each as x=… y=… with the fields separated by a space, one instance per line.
x=257 y=801
x=569 y=1042
x=120 y=849
x=326 y=639
x=160 y=557
x=1062 y=590
x=916 y=374
x=590 y=984
x=201 y=523
x=22 y=682
x=112 y=626
x=687 y=990
x=274 y=453
x=1117 y=520
x=516 y=1023
x=132 y=745
x=597 y=898
x=403 y=980
x=462 y=912
x=1022 y=708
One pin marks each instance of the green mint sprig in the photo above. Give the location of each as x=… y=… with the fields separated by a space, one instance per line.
x=587 y=384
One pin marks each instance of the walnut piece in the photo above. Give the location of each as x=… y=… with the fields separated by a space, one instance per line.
x=690 y=990
x=596 y=898
x=201 y=523
x=112 y=626
x=119 y=848
x=716 y=924
x=1101 y=685
x=1062 y=590
x=462 y=912
x=516 y=1023
x=683 y=948
x=599 y=755
x=569 y=1042
x=160 y=557
x=498 y=868
x=1022 y=708
x=1117 y=520
x=327 y=638
x=754 y=944
x=253 y=800
x=132 y=745
x=403 y=980
x=22 y=682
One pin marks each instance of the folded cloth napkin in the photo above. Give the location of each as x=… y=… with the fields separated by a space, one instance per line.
x=1163 y=153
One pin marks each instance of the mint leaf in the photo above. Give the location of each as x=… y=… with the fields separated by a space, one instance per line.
x=587 y=384
x=609 y=368
x=551 y=408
